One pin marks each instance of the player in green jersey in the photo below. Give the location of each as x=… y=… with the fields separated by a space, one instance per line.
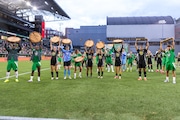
x=36 y=59
x=77 y=64
x=109 y=62
x=130 y=59
x=170 y=60
x=13 y=50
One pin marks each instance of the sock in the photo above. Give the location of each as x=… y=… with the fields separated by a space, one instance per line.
x=151 y=67
x=64 y=72
x=57 y=74
x=16 y=74
x=174 y=78
x=91 y=74
x=116 y=74
x=38 y=78
x=31 y=78
x=52 y=74
x=74 y=75
x=139 y=73
x=7 y=75
x=69 y=72
x=108 y=67
x=128 y=69
x=145 y=74
x=148 y=67
x=98 y=73
x=101 y=73
x=131 y=68
x=112 y=68
x=80 y=74
x=87 y=74
x=167 y=78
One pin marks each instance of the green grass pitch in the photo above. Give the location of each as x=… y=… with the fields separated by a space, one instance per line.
x=89 y=98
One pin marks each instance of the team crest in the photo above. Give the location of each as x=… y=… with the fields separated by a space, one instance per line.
x=89 y=56
x=141 y=52
x=100 y=57
x=117 y=54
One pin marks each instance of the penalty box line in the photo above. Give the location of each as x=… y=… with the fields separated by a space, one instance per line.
x=25 y=73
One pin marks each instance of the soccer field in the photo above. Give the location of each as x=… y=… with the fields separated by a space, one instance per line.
x=89 y=98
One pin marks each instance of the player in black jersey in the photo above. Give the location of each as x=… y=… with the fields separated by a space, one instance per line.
x=142 y=59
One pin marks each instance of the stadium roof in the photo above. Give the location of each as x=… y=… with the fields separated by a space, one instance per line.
x=140 y=20
x=24 y=8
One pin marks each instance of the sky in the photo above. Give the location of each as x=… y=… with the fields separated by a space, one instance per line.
x=95 y=12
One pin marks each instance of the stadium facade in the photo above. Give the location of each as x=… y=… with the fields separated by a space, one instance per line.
x=154 y=28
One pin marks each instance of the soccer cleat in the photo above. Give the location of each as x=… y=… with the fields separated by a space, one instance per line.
x=140 y=78
x=149 y=70
x=30 y=80
x=74 y=77
x=64 y=77
x=70 y=77
x=166 y=80
x=152 y=70
x=52 y=78
x=39 y=80
x=16 y=80
x=119 y=77
x=7 y=80
x=115 y=77
x=98 y=76
x=174 y=81
x=101 y=77
x=157 y=70
x=145 y=79
x=80 y=76
x=57 y=78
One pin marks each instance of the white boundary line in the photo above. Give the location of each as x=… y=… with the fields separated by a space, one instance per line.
x=25 y=118
x=23 y=74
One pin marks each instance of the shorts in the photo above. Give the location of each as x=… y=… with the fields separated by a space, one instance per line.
x=12 y=64
x=89 y=63
x=100 y=64
x=109 y=61
x=68 y=63
x=149 y=61
x=59 y=60
x=163 y=62
x=35 y=65
x=142 y=65
x=170 y=66
x=130 y=63
x=117 y=63
x=77 y=64
x=54 y=62
x=178 y=59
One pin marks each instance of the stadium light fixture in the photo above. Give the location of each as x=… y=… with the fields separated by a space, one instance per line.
x=34 y=8
x=46 y=2
x=28 y=3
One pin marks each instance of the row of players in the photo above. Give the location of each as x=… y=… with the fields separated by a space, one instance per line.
x=14 y=48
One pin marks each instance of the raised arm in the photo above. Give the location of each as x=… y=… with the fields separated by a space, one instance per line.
x=136 y=46
x=161 y=46
x=51 y=47
x=147 y=45
x=59 y=45
x=173 y=43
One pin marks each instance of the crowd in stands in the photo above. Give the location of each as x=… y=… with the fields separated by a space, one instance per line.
x=26 y=50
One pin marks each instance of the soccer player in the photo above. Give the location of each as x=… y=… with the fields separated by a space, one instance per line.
x=100 y=62
x=118 y=53
x=36 y=59
x=170 y=61
x=109 y=61
x=123 y=57
x=159 y=61
x=130 y=59
x=142 y=59
x=149 y=61
x=89 y=63
x=13 y=50
x=77 y=64
x=66 y=50
x=54 y=60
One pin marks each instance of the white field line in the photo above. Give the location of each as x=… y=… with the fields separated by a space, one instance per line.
x=23 y=74
x=25 y=118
